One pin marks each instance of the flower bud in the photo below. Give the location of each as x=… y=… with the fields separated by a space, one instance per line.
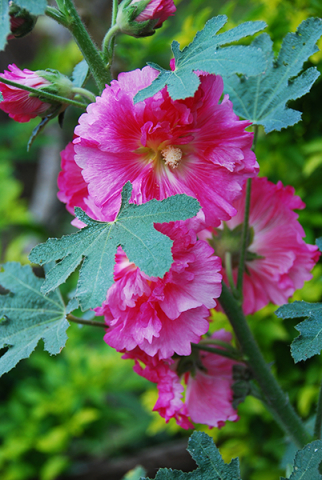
x=21 y=21
x=140 y=18
x=22 y=105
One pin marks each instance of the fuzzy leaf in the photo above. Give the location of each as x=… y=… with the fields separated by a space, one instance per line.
x=35 y=7
x=309 y=342
x=97 y=243
x=204 y=53
x=263 y=99
x=80 y=73
x=4 y=23
x=307 y=461
x=210 y=464
x=29 y=316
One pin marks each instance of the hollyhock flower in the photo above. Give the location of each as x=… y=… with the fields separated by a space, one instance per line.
x=72 y=188
x=208 y=395
x=195 y=146
x=21 y=21
x=140 y=18
x=278 y=261
x=163 y=316
x=20 y=104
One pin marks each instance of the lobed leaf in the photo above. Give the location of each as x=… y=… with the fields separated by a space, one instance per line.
x=35 y=7
x=133 y=229
x=263 y=99
x=204 y=53
x=4 y=23
x=307 y=462
x=210 y=464
x=28 y=316
x=309 y=342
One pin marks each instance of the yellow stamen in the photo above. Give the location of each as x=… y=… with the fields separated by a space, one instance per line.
x=171 y=156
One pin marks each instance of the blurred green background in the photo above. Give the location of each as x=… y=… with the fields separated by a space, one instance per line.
x=58 y=412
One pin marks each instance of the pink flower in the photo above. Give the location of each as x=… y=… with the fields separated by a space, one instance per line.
x=158 y=10
x=72 y=188
x=208 y=396
x=163 y=147
x=162 y=316
x=278 y=261
x=17 y=102
x=140 y=18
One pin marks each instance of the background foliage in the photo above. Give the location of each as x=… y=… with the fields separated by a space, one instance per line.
x=87 y=402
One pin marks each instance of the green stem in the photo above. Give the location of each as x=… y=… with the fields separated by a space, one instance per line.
x=244 y=245
x=90 y=52
x=85 y=93
x=275 y=397
x=56 y=15
x=245 y=232
x=215 y=341
x=318 y=419
x=82 y=321
x=108 y=43
x=217 y=351
x=229 y=273
x=41 y=93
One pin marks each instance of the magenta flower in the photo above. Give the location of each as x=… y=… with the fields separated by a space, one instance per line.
x=278 y=261
x=72 y=188
x=162 y=316
x=208 y=395
x=163 y=147
x=140 y=18
x=158 y=10
x=17 y=102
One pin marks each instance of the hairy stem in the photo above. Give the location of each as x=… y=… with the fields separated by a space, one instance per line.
x=82 y=321
x=108 y=44
x=56 y=15
x=275 y=397
x=85 y=93
x=43 y=94
x=92 y=55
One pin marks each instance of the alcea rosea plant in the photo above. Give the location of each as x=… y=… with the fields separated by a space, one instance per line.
x=173 y=219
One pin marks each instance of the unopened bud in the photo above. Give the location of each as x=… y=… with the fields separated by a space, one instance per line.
x=21 y=21
x=140 y=18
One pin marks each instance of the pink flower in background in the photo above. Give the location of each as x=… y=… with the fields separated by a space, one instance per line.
x=163 y=147
x=17 y=102
x=158 y=10
x=278 y=261
x=163 y=316
x=140 y=18
x=208 y=396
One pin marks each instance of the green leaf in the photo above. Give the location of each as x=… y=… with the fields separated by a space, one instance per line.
x=309 y=342
x=35 y=7
x=210 y=464
x=263 y=99
x=307 y=461
x=133 y=230
x=4 y=23
x=135 y=474
x=29 y=316
x=80 y=73
x=204 y=53
x=318 y=241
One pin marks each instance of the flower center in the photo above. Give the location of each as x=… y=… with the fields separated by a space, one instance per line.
x=171 y=156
